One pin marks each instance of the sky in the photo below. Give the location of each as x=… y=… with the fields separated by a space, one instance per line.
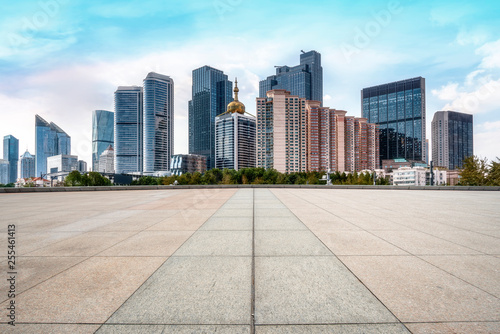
x=62 y=59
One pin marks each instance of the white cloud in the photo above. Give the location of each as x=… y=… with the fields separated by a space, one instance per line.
x=491 y=55
x=487 y=139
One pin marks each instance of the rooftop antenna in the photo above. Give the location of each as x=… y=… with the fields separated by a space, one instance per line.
x=302 y=51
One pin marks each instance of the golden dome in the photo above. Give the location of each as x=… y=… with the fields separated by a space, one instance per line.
x=236 y=106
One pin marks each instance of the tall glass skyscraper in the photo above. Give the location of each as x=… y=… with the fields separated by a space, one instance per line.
x=399 y=110
x=103 y=134
x=128 y=129
x=11 y=154
x=27 y=165
x=304 y=80
x=50 y=140
x=452 y=138
x=211 y=93
x=158 y=122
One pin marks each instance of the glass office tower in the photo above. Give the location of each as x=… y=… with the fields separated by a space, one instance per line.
x=27 y=165
x=399 y=110
x=304 y=80
x=158 y=122
x=102 y=134
x=211 y=93
x=452 y=138
x=128 y=129
x=11 y=154
x=50 y=140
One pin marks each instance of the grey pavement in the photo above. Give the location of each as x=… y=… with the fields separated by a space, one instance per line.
x=254 y=261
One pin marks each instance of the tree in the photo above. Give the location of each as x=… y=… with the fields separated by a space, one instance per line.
x=493 y=178
x=474 y=172
x=73 y=179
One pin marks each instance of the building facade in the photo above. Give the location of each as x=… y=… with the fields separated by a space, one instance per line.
x=11 y=154
x=407 y=176
x=158 y=122
x=211 y=93
x=4 y=171
x=27 y=165
x=82 y=166
x=235 y=137
x=304 y=80
x=50 y=140
x=103 y=134
x=296 y=135
x=62 y=163
x=398 y=108
x=188 y=163
x=452 y=138
x=128 y=129
x=106 y=161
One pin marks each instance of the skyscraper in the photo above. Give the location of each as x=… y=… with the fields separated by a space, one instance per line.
x=27 y=165
x=4 y=171
x=158 y=122
x=304 y=80
x=399 y=110
x=128 y=129
x=50 y=140
x=11 y=154
x=452 y=138
x=235 y=137
x=211 y=93
x=102 y=134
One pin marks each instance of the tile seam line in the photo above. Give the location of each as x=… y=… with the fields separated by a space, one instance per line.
x=160 y=266
x=252 y=302
x=419 y=256
x=345 y=266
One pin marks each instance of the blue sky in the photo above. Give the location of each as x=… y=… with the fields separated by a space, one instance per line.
x=62 y=59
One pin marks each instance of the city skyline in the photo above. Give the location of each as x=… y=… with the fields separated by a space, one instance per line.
x=62 y=60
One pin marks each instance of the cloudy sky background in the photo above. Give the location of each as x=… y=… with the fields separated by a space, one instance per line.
x=63 y=59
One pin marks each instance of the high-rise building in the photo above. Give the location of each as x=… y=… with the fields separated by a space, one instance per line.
x=399 y=110
x=62 y=163
x=4 y=171
x=158 y=122
x=103 y=134
x=128 y=129
x=188 y=163
x=27 y=165
x=50 y=140
x=304 y=80
x=296 y=135
x=235 y=137
x=452 y=138
x=82 y=166
x=11 y=154
x=211 y=93
x=106 y=161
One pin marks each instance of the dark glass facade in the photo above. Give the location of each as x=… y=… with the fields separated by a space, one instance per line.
x=304 y=80
x=103 y=134
x=399 y=110
x=50 y=140
x=27 y=165
x=11 y=154
x=128 y=129
x=158 y=122
x=211 y=93
x=452 y=139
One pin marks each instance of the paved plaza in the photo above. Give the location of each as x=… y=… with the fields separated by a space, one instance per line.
x=278 y=260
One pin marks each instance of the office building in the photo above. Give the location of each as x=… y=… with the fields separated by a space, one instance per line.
x=11 y=154
x=158 y=122
x=50 y=140
x=235 y=136
x=452 y=138
x=58 y=166
x=408 y=176
x=399 y=110
x=211 y=93
x=82 y=166
x=103 y=134
x=188 y=163
x=304 y=80
x=4 y=171
x=106 y=161
x=295 y=135
x=128 y=129
x=27 y=165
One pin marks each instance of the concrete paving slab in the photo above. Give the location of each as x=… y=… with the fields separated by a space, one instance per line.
x=327 y=329
x=174 y=329
x=192 y=290
x=187 y=220
x=455 y=327
x=416 y=291
x=312 y=290
x=228 y=224
x=288 y=243
x=477 y=241
x=278 y=223
x=217 y=243
x=49 y=328
x=34 y=241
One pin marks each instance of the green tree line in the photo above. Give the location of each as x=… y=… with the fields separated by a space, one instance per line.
x=478 y=172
